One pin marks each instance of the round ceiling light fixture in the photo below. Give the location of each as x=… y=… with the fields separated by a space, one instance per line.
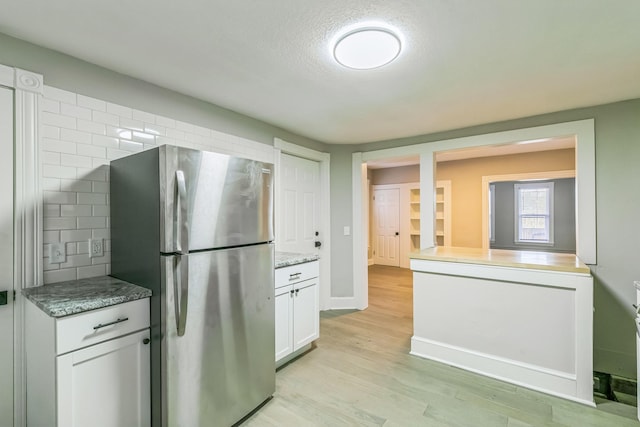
x=367 y=48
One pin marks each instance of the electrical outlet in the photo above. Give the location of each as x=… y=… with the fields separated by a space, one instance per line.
x=95 y=248
x=57 y=253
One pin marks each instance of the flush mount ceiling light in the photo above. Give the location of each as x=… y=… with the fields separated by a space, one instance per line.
x=367 y=48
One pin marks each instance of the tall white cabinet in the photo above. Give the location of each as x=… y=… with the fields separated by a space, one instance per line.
x=297 y=309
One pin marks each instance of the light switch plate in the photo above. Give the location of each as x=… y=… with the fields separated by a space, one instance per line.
x=95 y=248
x=347 y=230
x=57 y=253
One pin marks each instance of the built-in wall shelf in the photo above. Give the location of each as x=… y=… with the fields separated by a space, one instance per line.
x=443 y=213
x=414 y=217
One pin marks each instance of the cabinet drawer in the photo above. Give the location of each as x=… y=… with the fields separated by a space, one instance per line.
x=79 y=330
x=296 y=273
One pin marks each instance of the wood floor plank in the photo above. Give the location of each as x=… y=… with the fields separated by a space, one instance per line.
x=360 y=373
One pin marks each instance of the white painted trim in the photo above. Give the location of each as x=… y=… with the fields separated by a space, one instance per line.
x=585 y=182
x=488 y=179
x=27 y=266
x=344 y=303
x=521 y=374
x=284 y=147
x=359 y=220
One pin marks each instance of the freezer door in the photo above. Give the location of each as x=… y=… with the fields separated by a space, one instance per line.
x=212 y=200
x=222 y=367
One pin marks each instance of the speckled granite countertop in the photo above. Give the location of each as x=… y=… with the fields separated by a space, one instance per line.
x=285 y=259
x=76 y=296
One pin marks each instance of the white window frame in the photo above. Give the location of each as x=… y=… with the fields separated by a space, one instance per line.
x=517 y=215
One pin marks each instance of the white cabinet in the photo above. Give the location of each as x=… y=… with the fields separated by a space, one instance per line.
x=90 y=368
x=297 y=309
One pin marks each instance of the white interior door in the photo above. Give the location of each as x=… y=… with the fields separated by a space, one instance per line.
x=386 y=223
x=298 y=209
x=6 y=255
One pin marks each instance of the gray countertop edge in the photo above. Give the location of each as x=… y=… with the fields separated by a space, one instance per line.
x=78 y=296
x=286 y=259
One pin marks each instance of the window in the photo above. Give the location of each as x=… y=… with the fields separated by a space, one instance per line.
x=534 y=212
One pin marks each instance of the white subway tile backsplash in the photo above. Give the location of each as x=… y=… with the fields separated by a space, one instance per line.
x=92 y=151
x=75 y=210
x=75 y=136
x=59 y=197
x=92 y=271
x=119 y=110
x=106 y=118
x=133 y=146
x=75 y=111
x=51 y=184
x=92 y=199
x=131 y=124
x=75 y=185
x=100 y=187
x=91 y=222
x=92 y=103
x=92 y=127
x=77 y=161
x=50 y=105
x=101 y=210
x=98 y=174
x=143 y=116
x=76 y=261
x=154 y=129
x=80 y=135
x=165 y=121
x=60 y=275
x=75 y=235
x=105 y=141
x=50 y=236
x=51 y=210
x=53 y=119
x=54 y=145
x=48 y=131
x=96 y=162
x=113 y=154
x=49 y=158
x=52 y=171
x=59 y=94
x=59 y=223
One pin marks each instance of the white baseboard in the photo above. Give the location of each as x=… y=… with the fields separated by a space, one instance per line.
x=342 y=303
x=560 y=384
x=370 y=261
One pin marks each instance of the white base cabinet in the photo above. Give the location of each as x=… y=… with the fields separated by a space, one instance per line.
x=297 y=308
x=103 y=384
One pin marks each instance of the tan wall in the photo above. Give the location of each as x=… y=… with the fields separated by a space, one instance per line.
x=466 y=186
x=397 y=175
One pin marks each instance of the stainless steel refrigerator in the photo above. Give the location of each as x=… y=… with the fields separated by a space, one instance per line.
x=196 y=228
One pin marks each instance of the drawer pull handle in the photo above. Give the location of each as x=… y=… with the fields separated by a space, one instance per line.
x=102 y=325
x=294 y=276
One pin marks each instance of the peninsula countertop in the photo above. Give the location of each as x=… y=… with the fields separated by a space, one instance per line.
x=77 y=296
x=562 y=262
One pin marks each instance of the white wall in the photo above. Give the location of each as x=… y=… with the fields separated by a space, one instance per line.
x=80 y=136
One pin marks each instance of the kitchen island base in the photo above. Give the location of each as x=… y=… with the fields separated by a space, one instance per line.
x=524 y=324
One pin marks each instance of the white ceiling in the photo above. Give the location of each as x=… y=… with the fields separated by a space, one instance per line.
x=464 y=62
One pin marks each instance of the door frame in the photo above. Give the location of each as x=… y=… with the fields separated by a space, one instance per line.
x=283 y=147
x=27 y=251
x=584 y=131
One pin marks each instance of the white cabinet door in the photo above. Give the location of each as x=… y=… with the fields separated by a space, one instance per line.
x=284 y=319
x=105 y=385
x=306 y=314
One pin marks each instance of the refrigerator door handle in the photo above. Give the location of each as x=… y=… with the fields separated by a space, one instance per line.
x=181 y=292
x=181 y=223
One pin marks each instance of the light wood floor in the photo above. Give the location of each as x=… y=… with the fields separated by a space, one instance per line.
x=361 y=374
